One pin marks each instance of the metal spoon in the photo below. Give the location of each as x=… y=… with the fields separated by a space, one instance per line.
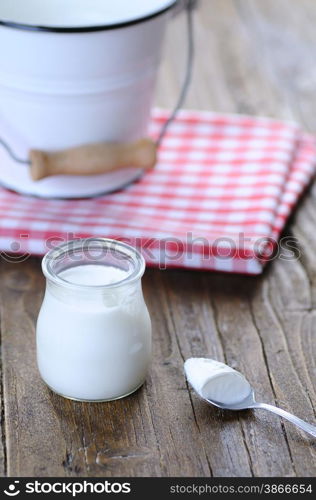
x=251 y=403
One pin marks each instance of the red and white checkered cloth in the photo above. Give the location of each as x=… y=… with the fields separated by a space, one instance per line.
x=218 y=199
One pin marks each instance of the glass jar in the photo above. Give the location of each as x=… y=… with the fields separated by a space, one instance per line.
x=93 y=329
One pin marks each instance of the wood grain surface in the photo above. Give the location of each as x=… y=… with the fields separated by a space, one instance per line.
x=254 y=57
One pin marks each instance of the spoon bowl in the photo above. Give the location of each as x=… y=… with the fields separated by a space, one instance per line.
x=246 y=404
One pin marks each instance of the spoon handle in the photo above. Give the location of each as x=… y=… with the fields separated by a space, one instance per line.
x=310 y=429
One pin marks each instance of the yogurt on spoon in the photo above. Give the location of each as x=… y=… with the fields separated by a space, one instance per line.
x=216 y=381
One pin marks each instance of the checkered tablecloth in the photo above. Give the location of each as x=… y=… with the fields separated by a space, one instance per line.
x=218 y=199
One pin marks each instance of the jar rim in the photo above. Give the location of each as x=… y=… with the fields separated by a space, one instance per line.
x=79 y=244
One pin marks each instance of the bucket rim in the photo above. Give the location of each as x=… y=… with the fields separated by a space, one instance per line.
x=86 y=29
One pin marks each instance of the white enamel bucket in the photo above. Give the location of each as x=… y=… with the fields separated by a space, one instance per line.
x=76 y=72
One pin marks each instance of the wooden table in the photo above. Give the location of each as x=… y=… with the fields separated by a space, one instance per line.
x=254 y=57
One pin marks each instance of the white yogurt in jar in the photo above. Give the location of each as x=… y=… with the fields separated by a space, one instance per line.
x=93 y=275
x=216 y=381
x=93 y=341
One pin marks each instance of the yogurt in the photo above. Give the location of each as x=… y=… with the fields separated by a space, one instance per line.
x=93 y=339
x=93 y=275
x=216 y=381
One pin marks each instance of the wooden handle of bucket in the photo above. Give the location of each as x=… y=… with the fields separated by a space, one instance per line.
x=93 y=159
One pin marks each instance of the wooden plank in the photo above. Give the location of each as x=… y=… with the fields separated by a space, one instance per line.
x=196 y=334
x=287 y=298
x=2 y=424
x=28 y=419
x=244 y=349
x=288 y=358
x=225 y=330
